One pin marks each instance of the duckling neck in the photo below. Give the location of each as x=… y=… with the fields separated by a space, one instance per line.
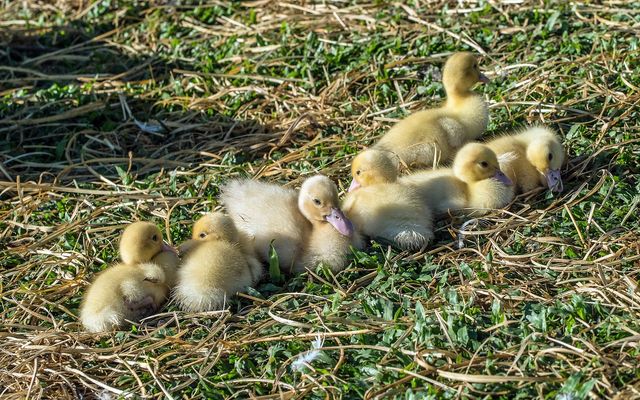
x=470 y=109
x=326 y=244
x=456 y=97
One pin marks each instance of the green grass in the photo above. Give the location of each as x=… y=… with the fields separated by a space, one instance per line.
x=542 y=300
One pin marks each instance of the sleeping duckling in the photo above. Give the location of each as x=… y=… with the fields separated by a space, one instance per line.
x=531 y=158
x=214 y=267
x=305 y=227
x=135 y=288
x=474 y=181
x=427 y=137
x=383 y=209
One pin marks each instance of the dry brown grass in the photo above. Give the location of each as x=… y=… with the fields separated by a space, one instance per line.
x=64 y=202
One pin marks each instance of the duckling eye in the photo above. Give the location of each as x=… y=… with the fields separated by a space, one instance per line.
x=203 y=235
x=317 y=202
x=358 y=172
x=484 y=164
x=550 y=156
x=154 y=238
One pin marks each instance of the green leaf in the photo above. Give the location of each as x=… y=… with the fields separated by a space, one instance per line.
x=274 y=265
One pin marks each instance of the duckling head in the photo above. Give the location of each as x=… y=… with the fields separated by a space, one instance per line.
x=547 y=156
x=140 y=242
x=461 y=72
x=318 y=202
x=476 y=162
x=215 y=226
x=371 y=167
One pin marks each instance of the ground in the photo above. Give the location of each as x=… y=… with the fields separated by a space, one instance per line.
x=539 y=300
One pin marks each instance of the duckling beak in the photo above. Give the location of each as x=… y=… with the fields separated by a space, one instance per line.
x=354 y=185
x=554 y=180
x=166 y=247
x=502 y=178
x=339 y=221
x=483 y=78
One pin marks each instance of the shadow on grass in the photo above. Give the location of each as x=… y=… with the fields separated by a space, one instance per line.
x=63 y=115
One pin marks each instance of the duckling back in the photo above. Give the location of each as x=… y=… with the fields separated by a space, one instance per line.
x=419 y=140
x=266 y=214
x=391 y=212
x=212 y=272
x=439 y=189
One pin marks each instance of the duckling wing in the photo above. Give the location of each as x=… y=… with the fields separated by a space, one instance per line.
x=391 y=212
x=439 y=190
x=267 y=213
x=455 y=130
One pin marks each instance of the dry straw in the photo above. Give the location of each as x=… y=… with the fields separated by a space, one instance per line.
x=44 y=353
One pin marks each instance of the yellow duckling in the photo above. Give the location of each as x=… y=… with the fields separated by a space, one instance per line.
x=205 y=228
x=475 y=181
x=305 y=227
x=135 y=288
x=383 y=209
x=531 y=158
x=373 y=166
x=427 y=137
x=215 y=266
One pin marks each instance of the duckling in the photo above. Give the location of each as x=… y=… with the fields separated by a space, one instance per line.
x=206 y=226
x=304 y=227
x=373 y=166
x=135 y=288
x=383 y=209
x=332 y=234
x=474 y=181
x=531 y=158
x=215 y=267
x=425 y=138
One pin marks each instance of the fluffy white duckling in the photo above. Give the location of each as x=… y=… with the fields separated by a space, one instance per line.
x=475 y=181
x=531 y=158
x=383 y=209
x=305 y=227
x=425 y=138
x=135 y=288
x=214 y=267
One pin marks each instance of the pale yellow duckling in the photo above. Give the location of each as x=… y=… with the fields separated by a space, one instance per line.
x=305 y=227
x=373 y=166
x=205 y=228
x=383 y=209
x=531 y=158
x=214 y=268
x=475 y=181
x=428 y=137
x=135 y=288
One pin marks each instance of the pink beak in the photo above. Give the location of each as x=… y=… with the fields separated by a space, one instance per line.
x=502 y=178
x=166 y=247
x=483 y=78
x=354 y=185
x=338 y=220
x=554 y=180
